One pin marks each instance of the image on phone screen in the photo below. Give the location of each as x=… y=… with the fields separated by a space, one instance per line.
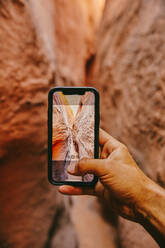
x=73 y=122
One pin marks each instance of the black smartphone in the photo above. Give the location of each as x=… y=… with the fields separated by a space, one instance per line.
x=73 y=132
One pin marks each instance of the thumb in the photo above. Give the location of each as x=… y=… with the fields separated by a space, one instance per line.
x=87 y=165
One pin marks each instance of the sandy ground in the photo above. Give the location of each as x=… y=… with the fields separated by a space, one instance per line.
x=92 y=230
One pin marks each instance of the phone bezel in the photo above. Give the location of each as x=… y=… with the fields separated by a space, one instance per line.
x=71 y=91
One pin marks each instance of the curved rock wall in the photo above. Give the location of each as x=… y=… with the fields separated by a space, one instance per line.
x=48 y=43
x=76 y=23
x=36 y=51
x=129 y=73
x=30 y=208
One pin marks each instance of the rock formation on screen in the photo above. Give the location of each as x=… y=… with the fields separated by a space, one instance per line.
x=83 y=129
x=73 y=134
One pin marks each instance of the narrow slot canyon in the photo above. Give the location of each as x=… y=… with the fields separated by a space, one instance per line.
x=116 y=46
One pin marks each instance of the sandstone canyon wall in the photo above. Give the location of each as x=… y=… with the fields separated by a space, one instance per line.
x=129 y=73
x=37 y=40
x=49 y=43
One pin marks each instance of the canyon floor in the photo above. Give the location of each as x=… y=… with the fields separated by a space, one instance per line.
x=91 y=227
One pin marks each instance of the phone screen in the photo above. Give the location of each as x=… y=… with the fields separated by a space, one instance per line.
x=73 y=123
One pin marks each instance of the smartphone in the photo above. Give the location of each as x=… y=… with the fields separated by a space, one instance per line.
x=73 y=132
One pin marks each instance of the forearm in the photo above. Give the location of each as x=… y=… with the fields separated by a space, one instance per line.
x=151 y=211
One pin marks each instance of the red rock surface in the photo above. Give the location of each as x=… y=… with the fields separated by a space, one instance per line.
x=93 y=230
x=76 y=23
x=129 y=73
x=48 y=43
x=32 y=212
x=30 y=208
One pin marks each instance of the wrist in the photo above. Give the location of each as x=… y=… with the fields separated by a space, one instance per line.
x=142 y=197
x=145 y=197
x=150 y=205
x=150 y=211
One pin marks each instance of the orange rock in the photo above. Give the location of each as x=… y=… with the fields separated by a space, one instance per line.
x=129 y=72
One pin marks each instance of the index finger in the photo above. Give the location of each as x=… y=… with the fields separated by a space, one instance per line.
x=104 y=137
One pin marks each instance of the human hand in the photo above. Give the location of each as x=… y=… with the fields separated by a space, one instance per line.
x=120 y=183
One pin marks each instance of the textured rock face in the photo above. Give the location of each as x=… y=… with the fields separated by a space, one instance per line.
x=129 y=73
x=48 y=43
x=32 y=213
x=75 y=26
x=30 y=208
x=83 y=128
